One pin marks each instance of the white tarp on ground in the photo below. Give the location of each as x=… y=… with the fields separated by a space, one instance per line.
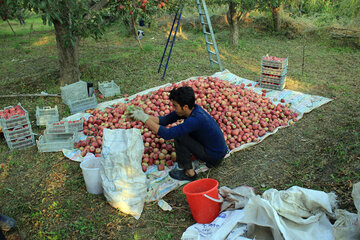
x=292 y=214
x=160 y=183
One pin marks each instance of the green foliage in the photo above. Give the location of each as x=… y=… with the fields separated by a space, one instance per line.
x=264 y=4
x=11 y=10
x=345 y=8
x=335 y=9
x=241 y=5
x=82 y=18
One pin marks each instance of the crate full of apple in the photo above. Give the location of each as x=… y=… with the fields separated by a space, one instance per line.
x=273 y=72
x=16 y=127
x=13 y=116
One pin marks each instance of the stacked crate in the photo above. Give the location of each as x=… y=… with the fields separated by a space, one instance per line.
x=109 y=89
x=65 y=127
x=76 y=96
x=59 y=135
x=16 y=127
x=273 y=72
x=46 y=115
x=56 y=142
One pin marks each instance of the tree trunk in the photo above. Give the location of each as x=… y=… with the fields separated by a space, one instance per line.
x=129 y=26
x=276 y=17
x=234 y=24
x=68 y=55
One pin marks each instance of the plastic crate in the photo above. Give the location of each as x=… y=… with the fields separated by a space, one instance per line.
x=82 y=104
x=271 y=85
x=55 y=142
x=273 y=63
x=46 y=115
x=273 y=71
x=21 y=143
x=109 y=89
x=65 y=127
x=15 y=120
x=271 y=79
x=74 y=91
x=18 y=132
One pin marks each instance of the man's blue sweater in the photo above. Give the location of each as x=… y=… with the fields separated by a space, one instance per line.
x=200 y=126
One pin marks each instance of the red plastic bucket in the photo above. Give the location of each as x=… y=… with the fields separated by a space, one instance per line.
x=203 y=198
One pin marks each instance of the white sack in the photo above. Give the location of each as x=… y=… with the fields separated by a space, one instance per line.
x=235 y=198
x=347 y=225
x=356 y=195
x=225 y=226
x=282 y=211
x=123 y=180
x=301 y=205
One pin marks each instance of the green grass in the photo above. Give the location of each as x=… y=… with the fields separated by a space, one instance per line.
x=33 y=23
x=45 y=192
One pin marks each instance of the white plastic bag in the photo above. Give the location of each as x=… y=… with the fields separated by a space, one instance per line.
x=123 y=180
x=347 y=225
x=225 y=226
x=235 y=198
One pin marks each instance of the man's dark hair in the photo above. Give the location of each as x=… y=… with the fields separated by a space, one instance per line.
x=183 y=96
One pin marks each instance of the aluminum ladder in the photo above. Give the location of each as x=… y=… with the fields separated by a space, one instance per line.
x=208 y=31
x=176 y=20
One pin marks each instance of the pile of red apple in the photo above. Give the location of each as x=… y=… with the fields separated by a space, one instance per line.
x=276 y=59
x=12 y=112
x=243 y=115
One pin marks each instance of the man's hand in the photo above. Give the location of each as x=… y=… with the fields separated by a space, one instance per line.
x=138 y=114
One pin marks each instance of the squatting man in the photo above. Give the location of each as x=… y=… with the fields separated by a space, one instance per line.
x=199 y=134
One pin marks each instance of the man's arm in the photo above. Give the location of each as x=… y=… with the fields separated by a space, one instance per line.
x=153 y=124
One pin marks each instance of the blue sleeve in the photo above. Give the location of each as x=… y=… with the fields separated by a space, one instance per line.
x=168 y=119
x=189 y=125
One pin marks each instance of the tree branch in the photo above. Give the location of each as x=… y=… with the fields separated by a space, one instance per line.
x=30 y=95
x=101 y=4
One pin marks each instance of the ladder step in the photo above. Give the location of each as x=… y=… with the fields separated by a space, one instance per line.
x=214 y=61
x=210 y=43
x=207 y=33
x=204 y=23
x=212 y=52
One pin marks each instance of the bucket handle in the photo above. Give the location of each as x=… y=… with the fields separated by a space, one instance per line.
x=220 y=200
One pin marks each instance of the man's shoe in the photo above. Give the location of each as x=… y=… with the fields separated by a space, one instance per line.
x=6 y=223
x=181 y=175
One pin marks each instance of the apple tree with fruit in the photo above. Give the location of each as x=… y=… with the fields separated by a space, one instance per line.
x=75 y=19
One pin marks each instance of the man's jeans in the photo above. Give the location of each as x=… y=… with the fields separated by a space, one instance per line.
x=185 y=146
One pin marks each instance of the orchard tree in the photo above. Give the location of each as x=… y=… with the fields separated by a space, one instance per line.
x=77 y=19
x=274 y=6
x=238 y=12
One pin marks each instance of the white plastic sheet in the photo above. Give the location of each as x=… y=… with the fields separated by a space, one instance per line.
x=161 y=185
